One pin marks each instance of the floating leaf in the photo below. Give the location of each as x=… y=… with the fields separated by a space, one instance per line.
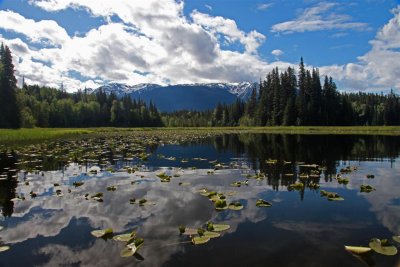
x=4 y=248
x=332 y=196
x=343 y=181
x=199 y=240
x=220 y=205
x=263 y=203
x=338 y=198
x=220 y=227
x=76 y=184
x=357 y=250
x=235 y=206
x=296 y=186
x=111 y=188
x=125 y=237
x=396 y=238
x=382 y=247
x=211 y=234
x=101 y=233
x=366 y=188
x=128 y=251
x=97 y=195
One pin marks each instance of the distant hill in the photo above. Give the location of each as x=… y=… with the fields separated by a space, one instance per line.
x=183 y=96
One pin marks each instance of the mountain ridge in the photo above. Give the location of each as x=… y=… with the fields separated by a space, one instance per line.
x=195 y=96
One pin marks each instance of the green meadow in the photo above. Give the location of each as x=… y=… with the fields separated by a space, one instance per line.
x=26 y=135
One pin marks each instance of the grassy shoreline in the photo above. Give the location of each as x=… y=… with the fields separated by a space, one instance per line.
x=41 y=134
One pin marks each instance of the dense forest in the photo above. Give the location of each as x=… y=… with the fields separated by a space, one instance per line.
x=283 y=98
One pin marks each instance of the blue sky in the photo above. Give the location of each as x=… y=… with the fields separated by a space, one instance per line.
x=92 y=42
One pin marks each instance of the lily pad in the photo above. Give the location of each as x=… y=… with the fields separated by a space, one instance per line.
x=396 y=238
x=263 y=203
x=235 y=206
x=128 y=251
x=4 y=248
x=366 y=188
x=199 y=240
x=338 y=198
x=220 y=227
x=125 y=237
x=357 y=250
x=111 y=188
x=211 y=234
x=220 y=205
x=101 y=233
x=77 y=184
x=382 y=247
x=296 y=186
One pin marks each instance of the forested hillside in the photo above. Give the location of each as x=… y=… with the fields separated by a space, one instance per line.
x=283 y=98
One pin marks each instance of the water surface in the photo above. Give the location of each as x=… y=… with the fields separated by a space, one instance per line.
x=300 y=229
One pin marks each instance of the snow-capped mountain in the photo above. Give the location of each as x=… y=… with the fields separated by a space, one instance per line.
x=122 y=89
x=197 y=96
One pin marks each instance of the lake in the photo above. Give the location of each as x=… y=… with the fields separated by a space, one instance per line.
x=50 y=203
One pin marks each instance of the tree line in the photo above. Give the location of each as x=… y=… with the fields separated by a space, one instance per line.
x=282 y=98
x=285 y=99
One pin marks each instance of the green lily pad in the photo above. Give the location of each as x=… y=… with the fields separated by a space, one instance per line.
x=332 y=196
x=97 y=195
x=77 y=184
x=396 y=238
x=382 y=247
x=125 y=237
x=235 y=206
x=220 y=227
x=335 y=198
x=101 y=233
x=111 y=188
x=211 y=234
x=220 y=204
x=240 y=183
x=204 y=192
x=199 y=240
x=296 y=186
x=263 y=203
x=128 y=251
x=366 y=188
x=4 y=248
x=363 y=254
x=357 y=250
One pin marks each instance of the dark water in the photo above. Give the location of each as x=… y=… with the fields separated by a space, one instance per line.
x=300 y=229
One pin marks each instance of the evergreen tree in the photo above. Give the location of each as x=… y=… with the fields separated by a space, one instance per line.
x=10 y=114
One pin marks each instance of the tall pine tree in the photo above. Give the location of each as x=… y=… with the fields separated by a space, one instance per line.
x=10 y=115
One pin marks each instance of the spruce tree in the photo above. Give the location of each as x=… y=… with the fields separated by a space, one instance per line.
x=10 y=113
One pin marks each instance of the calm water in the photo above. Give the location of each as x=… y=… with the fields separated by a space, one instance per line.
x=300 y=229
